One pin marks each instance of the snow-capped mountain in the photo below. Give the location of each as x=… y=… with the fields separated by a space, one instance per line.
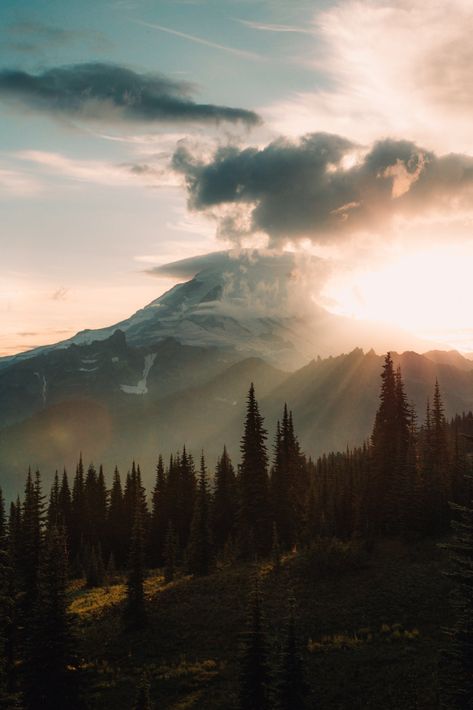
x=245 y=303
x=178 y=370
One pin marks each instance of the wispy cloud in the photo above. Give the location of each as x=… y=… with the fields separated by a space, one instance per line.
x=14 y=183
x=155 y=172
x=268 y=27
x=399 y=69
x=244 y=54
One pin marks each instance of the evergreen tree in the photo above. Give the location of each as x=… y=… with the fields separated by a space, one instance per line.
x=292 y=689
x=254 y=517
x=170 y=553
x=94 y=566
x=438 y=482
x=78 y=510
x=7 y=617
x=159 y=517
x=199 y=548
x=289 y=483
x=276 y=549
x=458 y=678
x=31 y=539
x=135 y=612
x=254 y=673
x=65 y=507
x=390 y=443
x=116 y=522
x=186 y=497
x=49 y=679
x=134 y=495
x=224 y=502
x=54 y=513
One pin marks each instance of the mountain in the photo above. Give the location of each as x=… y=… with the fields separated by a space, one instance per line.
x=178 y=371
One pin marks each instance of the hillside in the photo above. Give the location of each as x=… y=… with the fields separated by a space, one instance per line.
x=371 y=629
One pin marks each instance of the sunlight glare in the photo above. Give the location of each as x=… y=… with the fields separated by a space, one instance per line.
x=428 y=293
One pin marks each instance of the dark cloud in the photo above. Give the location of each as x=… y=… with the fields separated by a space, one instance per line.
x=106 y=91
x=320 y=186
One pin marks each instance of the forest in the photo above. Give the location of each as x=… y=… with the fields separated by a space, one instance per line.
x=245 y=555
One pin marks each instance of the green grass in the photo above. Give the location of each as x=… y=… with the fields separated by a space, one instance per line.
x=371 y=635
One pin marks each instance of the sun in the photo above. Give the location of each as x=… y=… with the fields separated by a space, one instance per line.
x=426 y=292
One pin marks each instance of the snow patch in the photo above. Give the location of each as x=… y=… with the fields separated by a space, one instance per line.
x=88 y=369
x=142 y=386
x=115 y=359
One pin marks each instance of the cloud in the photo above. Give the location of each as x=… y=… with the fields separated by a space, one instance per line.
x=397 y=68
x=60 y=294
x=188 y=268
x=100 y=91
x=270 y=27
x=323 y=186
x=95 y=171
x=262 y=283
x=199 y=40
x=14 y=183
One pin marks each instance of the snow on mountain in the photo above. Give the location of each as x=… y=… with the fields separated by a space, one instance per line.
x=249 y=303
x=142 y=386
x=254 y=304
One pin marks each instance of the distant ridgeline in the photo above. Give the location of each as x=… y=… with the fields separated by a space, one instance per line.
x=397 y=484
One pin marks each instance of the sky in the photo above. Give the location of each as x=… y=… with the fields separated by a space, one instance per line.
x=138 y=132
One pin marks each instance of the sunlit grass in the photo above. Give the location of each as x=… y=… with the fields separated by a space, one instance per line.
x=89 y=602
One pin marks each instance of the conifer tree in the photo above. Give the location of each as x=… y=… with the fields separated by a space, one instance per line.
x=276 y=549
x=94 y=566
x=439 y=488
x=53 y=515
x=78 y=510
x=135 y=612
x=186 y=497
x=224 y=502
x=170 y=553
x=459 y=469
x=289 y=483
x=159 y=516
x=65 y=507
x=7 y=617
x=31 y=539
x=254 y=672
x=292 y=690
x=199 y=552
x=116 y=524
x=134 y=495
x=49 y=679
x=254 y=515
x=390 y=442
x=458 y=680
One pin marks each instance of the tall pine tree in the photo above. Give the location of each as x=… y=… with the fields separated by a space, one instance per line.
x=254 y=513
x=199 y=551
